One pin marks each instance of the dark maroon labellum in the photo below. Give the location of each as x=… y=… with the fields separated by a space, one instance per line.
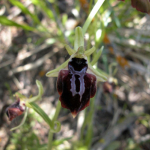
x=141 y=5
x=14 y=110
x=75 y=86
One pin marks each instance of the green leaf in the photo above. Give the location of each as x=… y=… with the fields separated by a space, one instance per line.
x=41 y=91
x=42 y=4
x=25 y=10
x=7 y=22
x=97 y=56
x=58 y=142
x=40 y=87
x=46 y=118
x=92 y=14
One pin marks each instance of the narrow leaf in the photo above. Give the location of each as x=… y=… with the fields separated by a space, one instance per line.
x=46 y=118
x=7 y=22
x=41 y=91
x=24 y=10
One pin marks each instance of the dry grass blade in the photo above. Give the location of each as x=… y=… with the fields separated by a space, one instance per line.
x=114 y=132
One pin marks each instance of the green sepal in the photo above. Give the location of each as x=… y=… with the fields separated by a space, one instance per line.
x=100 y=75
x=89 y=51
x=79 y=53
x=20 y=96
x=69 y=49
x=79 y=38
x=54 y=73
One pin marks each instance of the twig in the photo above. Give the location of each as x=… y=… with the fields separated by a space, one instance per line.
x=129 y=43
x=144 y=138
x=114 y=132
x=26 y=55
x=6 y=63
x=34 y=51
x=31 y=66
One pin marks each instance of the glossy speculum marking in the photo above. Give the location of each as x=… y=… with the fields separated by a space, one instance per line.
x=75 y=86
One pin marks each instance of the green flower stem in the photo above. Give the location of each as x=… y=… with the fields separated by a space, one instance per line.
x=88 y=138
x=58 y=108
x=83 y=125
x=50 y=139
x=92 y=14
x=88 y=123
x=50 y=135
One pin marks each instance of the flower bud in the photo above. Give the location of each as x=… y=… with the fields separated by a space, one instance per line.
x=109 y=86
x=15 y=110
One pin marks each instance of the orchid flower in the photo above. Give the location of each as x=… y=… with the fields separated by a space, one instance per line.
x=77 y=79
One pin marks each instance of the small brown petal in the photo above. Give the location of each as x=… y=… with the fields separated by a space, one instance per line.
x=15 y=110
x=107 y=87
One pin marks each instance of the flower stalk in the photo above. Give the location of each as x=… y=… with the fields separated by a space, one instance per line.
x=50 y=134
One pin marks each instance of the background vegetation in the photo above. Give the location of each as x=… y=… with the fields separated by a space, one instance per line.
x=32 y=38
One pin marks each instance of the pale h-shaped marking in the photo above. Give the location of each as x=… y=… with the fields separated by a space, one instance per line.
x=81 y=75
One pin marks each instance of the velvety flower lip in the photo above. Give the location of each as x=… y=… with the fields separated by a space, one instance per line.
x=141 y=5
x=15 y=110
x=75 y=86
